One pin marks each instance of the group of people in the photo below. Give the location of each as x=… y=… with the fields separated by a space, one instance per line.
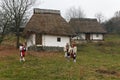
x=70 y=51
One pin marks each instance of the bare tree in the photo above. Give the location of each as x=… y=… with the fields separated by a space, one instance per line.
x=74 y=13
x=17 y=10
x=100 y=17
x=113 y=24
x=117 y=14
x=4 y=23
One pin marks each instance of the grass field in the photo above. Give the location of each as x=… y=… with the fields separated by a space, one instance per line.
x=95 y=61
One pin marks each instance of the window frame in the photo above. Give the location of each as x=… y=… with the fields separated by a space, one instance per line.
x=58 y=39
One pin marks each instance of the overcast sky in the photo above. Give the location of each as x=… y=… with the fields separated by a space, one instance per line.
x=90 y=7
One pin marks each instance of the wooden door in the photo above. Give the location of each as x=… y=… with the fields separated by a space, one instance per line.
x=87 y=36
x=39 y=39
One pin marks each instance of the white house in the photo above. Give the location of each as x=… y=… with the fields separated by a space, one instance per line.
x=47 y=28
x=87 y=29
x=48 y=40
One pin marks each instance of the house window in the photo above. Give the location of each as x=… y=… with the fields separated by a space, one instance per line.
x=58 y=39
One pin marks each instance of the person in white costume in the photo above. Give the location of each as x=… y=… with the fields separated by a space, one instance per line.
x=67 y=51
x=73 y=52
x=22 y=52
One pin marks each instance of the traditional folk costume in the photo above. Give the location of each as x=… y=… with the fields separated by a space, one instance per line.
x=22 y=53
x=73 y=52
x=67 y=51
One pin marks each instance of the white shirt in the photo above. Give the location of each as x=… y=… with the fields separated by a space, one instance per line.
x=20 y=48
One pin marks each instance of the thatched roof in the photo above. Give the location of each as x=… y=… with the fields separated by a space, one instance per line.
x=86 y=25
x=48 y=22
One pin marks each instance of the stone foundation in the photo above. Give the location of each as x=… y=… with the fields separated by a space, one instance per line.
x=45 y=48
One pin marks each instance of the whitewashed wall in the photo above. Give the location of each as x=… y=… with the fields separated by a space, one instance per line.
x=92 y=37
x=81 y=37
x=96 y=36
x=31 y=40
x=49 y=40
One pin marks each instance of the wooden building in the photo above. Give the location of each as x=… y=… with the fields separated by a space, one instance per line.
x=87 y=29
x=47 y=28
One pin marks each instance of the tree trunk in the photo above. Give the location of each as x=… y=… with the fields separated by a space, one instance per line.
x=18 y=37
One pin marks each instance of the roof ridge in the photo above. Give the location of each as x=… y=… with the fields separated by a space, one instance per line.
x=85 y=19
x=46 y=11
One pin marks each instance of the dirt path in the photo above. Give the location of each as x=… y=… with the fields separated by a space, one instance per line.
x=8 y=50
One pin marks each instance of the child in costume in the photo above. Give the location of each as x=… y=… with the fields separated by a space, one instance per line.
x=73 y=52
x=67 y=51
x=22 y=52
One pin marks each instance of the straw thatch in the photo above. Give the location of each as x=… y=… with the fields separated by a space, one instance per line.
x=86 y=25
x=48 y=22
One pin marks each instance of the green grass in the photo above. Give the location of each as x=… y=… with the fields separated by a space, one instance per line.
x=91 y=57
